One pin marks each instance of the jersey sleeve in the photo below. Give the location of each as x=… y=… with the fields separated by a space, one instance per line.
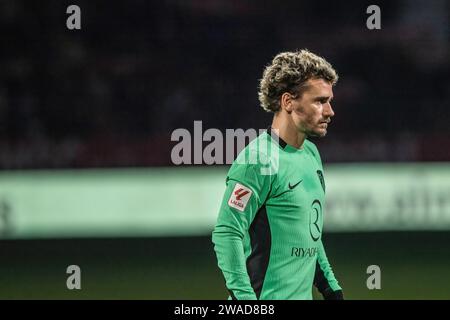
x=324 y=278
x=246 y=191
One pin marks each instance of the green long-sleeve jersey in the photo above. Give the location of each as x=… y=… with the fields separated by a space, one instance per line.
x=268 y=233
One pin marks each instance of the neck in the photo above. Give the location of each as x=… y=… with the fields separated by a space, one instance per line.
x=287 y=130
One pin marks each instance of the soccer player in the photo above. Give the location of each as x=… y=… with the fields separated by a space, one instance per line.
x=268 y=233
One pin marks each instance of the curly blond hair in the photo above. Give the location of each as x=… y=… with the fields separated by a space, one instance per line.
x=288 y=72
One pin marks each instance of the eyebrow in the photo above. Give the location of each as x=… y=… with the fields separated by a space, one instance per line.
x=323 y=98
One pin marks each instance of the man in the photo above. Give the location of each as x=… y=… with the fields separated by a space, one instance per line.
x=268 y=234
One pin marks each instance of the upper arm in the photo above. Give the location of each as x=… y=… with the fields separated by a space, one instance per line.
x=246 y=191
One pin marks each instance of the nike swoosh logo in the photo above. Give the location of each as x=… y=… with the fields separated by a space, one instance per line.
x=292 y=187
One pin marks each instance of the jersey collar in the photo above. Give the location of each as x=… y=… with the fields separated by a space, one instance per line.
x=275 y=137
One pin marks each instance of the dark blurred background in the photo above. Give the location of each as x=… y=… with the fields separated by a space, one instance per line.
x=110 y=95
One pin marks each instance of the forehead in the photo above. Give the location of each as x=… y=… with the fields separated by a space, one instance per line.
x=319 y=87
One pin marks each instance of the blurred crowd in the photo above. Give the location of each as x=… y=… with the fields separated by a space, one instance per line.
x=111 y=94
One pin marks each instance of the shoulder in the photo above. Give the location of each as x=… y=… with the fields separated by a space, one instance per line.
x=309 y=145
x=254 y=157
x=312 y=148
x=255 y=153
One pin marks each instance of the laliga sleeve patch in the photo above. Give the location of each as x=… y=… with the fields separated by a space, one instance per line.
x=239 y=197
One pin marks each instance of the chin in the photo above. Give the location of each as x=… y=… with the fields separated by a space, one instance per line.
x=318 y=134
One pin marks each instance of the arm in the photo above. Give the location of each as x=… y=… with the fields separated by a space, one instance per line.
x=232 y=226
x=324 y=278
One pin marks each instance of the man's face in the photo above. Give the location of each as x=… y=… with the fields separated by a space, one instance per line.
x=312 y=112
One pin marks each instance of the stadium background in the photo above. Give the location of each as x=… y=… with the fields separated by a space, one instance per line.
x=100 y=104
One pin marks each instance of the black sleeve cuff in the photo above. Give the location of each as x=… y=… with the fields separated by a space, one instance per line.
x=329 y=294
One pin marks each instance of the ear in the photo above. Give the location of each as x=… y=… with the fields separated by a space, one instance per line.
x=286 y=102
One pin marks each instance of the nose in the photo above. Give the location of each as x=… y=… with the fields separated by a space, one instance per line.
x=328 y=110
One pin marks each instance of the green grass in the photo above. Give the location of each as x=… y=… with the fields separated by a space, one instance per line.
x=413 y=266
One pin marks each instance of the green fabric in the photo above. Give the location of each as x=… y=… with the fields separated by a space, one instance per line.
x=295 y=221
